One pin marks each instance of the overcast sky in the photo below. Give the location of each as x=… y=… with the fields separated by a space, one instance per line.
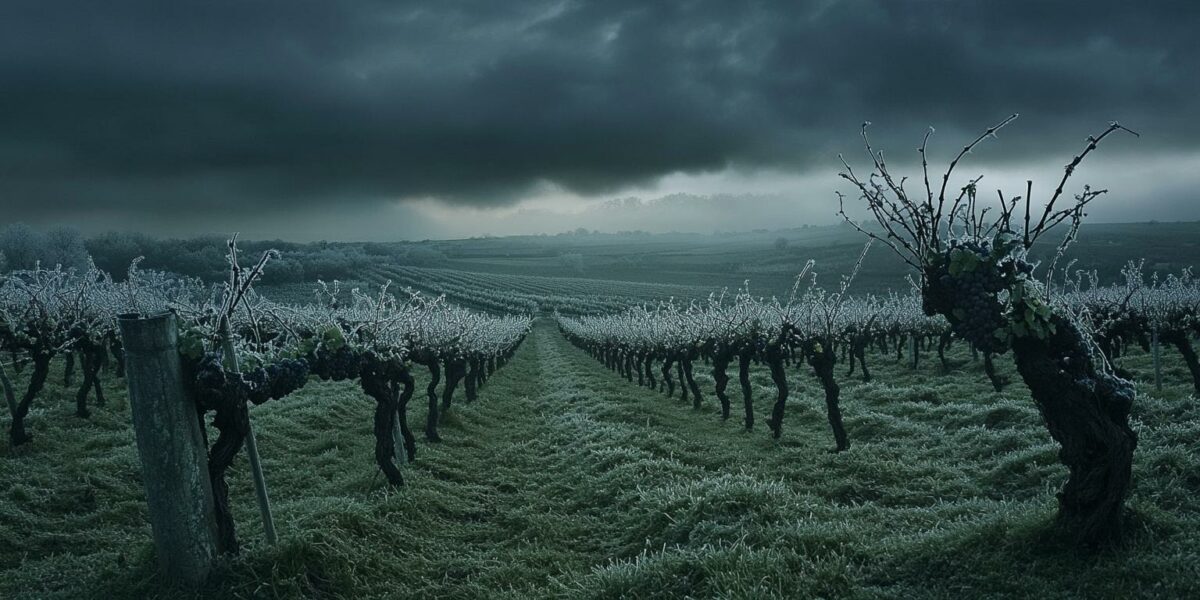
x=388 y=120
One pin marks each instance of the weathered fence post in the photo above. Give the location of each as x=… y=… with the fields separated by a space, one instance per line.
x=256 y=470
x=1157 y=352
x=171 y=447
x=912 y=350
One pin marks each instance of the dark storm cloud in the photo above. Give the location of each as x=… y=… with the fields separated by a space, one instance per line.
x=257 y=105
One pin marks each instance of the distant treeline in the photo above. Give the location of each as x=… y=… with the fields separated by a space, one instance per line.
x=21 y=247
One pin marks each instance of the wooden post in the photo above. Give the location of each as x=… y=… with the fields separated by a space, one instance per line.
x=1157 y=353
x=912 y=350
x=256 y=470
x=169 y=441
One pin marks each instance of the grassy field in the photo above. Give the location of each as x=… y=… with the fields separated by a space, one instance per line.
x=564 y=480
x=727 y=259
x=610 y=272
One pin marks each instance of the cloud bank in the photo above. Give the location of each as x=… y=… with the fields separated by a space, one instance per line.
x=205 y=113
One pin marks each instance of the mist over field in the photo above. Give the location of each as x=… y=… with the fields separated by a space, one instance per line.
x=579 y=299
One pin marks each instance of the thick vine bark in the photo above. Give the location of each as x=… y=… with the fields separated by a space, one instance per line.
x=747 y=392
x=470 y=381
x=774 y=358
x=118 y=353
x=431 y=420
x=859 y=351
x=668 y=362
x=720 y=364
x=1087 y=412
x=10 y=396
x=479 y=372
x=232 y=423
x=989 y=367
x=68 y=369
x=691 y=382
x=943 y=343
x=455 y=370
x=376 y=384
x=683 y=385
x=650 y=382
x=408 y=385
x=92 y=360
x=822 y=364
x=1181 y=342
x=37 y=380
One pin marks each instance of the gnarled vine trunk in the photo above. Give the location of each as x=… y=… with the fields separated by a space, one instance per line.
x=376 y=384
x=37 y=380
x=668 y=362
x=431 y=420
x=68 y=369
x=91 y=361
x=471 y=380
x=774 y=356
x=407 y=386
x=944 y=343
x=1181 y=342
x=720 y=364
x=650 y=382
x=747 y=392
x=232 y=422
x=1087 y=412
x=822 y=362
x=683 y=384
x=989 y=367
x=691 y=382
x=456 y=370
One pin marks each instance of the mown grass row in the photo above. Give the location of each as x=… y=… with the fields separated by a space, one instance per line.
x=564 y=480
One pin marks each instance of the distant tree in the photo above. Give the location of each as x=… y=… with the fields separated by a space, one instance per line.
x=3 y=263
x=285 y=269
x=781 y=243
x=64 y=246
x=114 y=251
x=378 y=249
x=573 y=261
x=21 y=246
x=423 y=255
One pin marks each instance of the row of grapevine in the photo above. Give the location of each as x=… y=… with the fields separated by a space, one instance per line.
x=811 y=327
x=658 y=345
x=239 y=349
x=1142 y=311
x=531 y=294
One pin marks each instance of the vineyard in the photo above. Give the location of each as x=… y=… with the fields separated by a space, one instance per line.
x=869 y=377
x=527 y=294
x=994 y=421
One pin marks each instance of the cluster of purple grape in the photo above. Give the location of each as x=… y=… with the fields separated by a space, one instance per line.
x=336 y=365
x=216 y=387
x=277 y=379
x=974 y=292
